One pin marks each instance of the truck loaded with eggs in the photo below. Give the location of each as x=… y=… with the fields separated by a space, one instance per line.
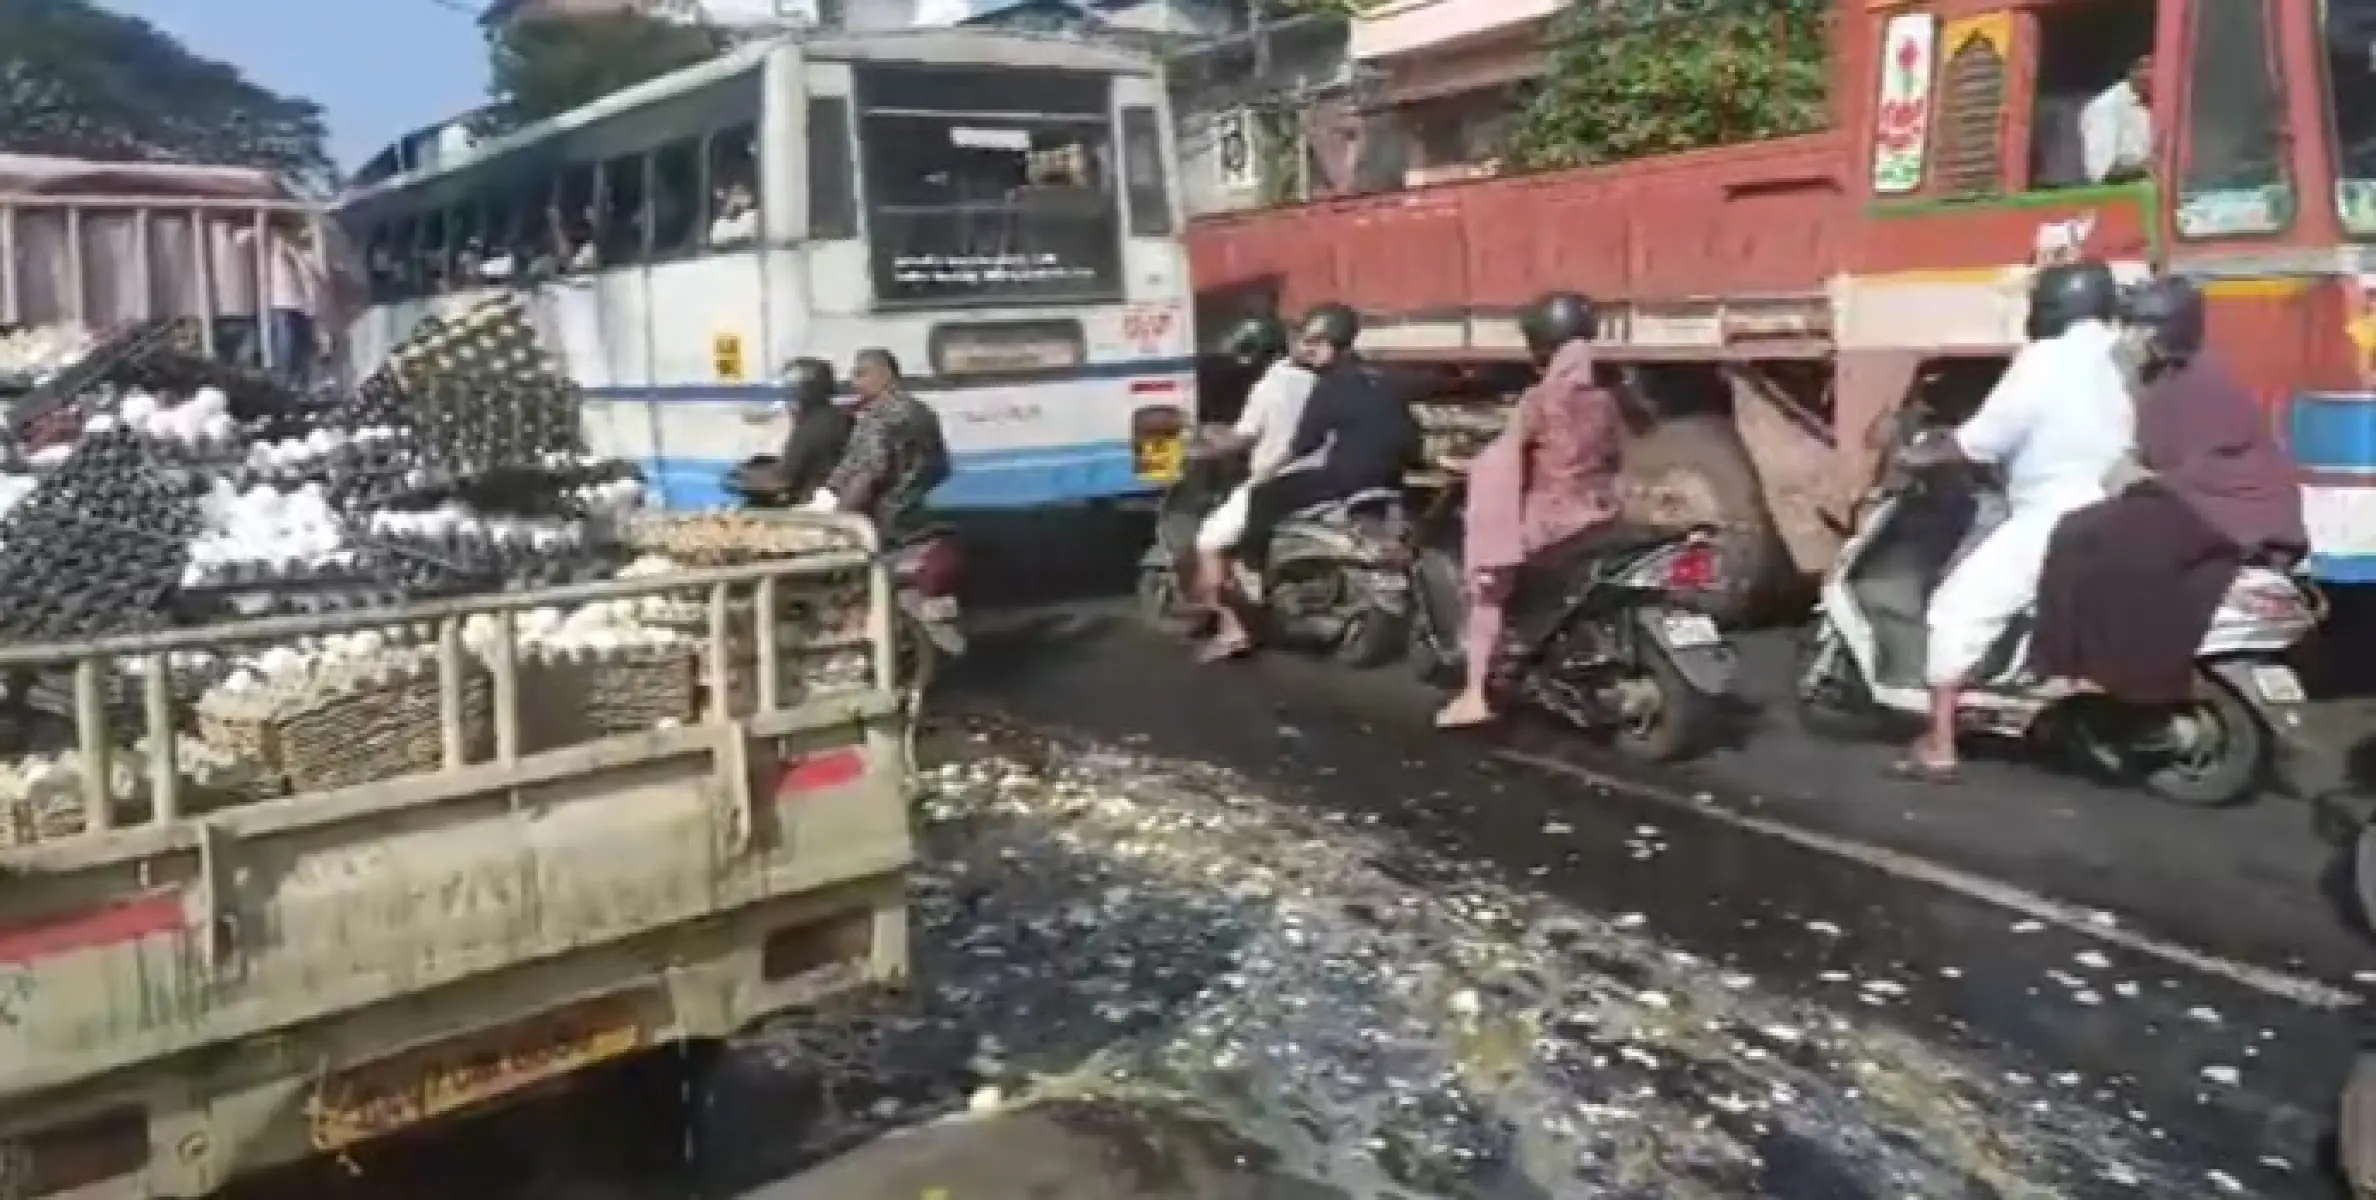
x=366 y=748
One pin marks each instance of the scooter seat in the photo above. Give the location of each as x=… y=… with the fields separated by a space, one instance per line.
x=1337 y=510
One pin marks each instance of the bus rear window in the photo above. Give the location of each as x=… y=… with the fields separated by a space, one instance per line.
x=989 y=205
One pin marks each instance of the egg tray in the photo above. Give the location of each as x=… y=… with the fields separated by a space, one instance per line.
x=630 y=690
x=369 y=733
x=506 y=491
x=732 y=537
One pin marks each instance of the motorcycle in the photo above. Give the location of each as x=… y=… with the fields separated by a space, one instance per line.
x=1609 y=634
x=1333 y=580
x=926 y=568
x=1863 y=656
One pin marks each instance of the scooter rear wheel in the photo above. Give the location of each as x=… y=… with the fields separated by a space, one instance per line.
x=2231 y=766
x=1683 y=724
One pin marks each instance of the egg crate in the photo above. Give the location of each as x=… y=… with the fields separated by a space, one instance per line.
x=122 y=693
x=64 y=388
x=524 y=491
x=370 y=730
x=732 y=537
x=586 y=697
x=55 y=811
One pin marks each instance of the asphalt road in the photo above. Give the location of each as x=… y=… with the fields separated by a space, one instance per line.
x=2173 y=977
x=2026 y=985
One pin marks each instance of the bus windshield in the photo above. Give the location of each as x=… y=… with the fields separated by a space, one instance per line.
x=2350 y=36
x=989 y=186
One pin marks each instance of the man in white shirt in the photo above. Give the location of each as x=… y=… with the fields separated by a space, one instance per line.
x=2116 y=128
x=1264 y=428
x=2055 y=424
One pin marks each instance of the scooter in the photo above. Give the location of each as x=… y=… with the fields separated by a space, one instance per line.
x=1334 y=579
x=1606 y=636
x=1863 y=656
x=926 y=568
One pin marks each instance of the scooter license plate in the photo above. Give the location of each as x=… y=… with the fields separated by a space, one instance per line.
x=2278 y=685
x=1689 y=631
x=937 y=609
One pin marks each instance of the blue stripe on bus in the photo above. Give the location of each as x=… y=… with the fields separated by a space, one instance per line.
x=2334 y=431
x=664 y=393
x=982 y=480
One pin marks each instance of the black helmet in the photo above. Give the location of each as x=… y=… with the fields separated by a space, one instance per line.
x=1257 y=339
x=1333 y=323
x=2170 y=310
x=1557 y=319
x=810 y=380
x=2067 y=293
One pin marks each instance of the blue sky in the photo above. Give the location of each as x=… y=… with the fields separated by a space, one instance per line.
x=379 y=67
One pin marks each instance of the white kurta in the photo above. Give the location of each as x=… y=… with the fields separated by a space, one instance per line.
x=1273 y=409
x=2056 y=423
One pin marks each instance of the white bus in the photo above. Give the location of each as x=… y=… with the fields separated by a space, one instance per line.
x=996 y=210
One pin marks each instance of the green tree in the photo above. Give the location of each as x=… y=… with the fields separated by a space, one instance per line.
x=79 y=81
x=1633 y=78
x=542 y=68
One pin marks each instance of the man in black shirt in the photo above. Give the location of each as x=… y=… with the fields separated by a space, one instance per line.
x=1365 y=433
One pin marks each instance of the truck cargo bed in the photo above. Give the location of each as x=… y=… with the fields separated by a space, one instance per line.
x=1763 y=220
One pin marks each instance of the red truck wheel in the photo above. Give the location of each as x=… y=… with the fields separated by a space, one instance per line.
x=1693 y=469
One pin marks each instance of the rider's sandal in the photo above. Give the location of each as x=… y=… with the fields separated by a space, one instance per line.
x=1915 y=770
x=1223 y=649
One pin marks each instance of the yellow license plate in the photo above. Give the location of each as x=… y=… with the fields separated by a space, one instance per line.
x=410 y=1089
x=1159 y=458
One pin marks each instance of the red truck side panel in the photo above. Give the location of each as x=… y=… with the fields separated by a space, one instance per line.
x=1761 y=219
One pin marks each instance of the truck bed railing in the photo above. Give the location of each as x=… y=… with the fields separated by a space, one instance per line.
x=101 y=261
x=764 y=583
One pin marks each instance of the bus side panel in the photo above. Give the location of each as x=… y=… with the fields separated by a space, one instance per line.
x=707 y=336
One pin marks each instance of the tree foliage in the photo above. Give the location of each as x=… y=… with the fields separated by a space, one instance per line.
x=1633 y=78
x=79 y=81
x=542 y=68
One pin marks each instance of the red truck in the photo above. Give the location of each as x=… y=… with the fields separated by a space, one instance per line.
x=1777 y=298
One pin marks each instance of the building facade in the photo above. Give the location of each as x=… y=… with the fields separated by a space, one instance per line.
x=1448 y=73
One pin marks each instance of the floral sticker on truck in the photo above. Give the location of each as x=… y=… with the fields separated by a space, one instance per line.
x=1901 y=125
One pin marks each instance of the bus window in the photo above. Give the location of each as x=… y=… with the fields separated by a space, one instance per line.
x=620 y=233
x=515 y=225
x=832 y=176
x=2351 y=105
x=971 y=209
x=468 y=237
x=676 y=198
x=1142 y=158
x=571 y=220
x=389 y=259
x=431 y=256
x=2094 y=118
x=2232 y=176
x=734 y=187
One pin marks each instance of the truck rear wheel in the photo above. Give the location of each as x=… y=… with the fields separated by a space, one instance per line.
x=1691 y=469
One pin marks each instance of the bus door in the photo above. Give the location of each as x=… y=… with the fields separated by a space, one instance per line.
x=102 y=262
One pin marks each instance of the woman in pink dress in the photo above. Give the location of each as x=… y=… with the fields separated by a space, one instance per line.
x=1549 y=477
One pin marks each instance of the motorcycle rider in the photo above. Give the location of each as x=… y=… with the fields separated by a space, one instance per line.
x=896 y=455
x=820 y=429
x=2130 y=584
x=1273 y=410
x=1548 y=479
x=1365 y=434
x=2054 y=426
